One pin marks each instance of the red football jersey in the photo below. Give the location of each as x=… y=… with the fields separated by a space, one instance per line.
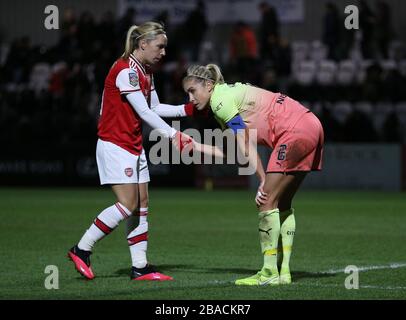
x=118 y=122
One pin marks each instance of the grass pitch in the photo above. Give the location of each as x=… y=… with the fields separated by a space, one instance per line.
x=205 y=240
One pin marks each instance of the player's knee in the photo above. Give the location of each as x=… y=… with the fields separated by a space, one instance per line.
x=131 y=205
x=271 y=202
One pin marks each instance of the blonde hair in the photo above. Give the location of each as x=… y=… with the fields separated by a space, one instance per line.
x=147 y=31
x=210 y=72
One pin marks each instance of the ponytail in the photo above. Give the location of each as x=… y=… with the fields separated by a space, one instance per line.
x=129 y=42
x=210 y=72
x=215 y=72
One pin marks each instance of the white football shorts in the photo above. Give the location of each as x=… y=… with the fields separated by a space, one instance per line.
x=118 y=166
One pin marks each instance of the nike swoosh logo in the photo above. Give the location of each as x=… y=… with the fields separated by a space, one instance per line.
x=265 y=282
x=219 y=106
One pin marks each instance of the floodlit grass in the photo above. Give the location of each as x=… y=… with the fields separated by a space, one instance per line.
x=205 y=240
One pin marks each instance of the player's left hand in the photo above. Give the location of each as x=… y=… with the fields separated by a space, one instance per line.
x=190 y=109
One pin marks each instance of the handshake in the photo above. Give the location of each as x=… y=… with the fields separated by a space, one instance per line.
x=186 y=144
x=183 y=142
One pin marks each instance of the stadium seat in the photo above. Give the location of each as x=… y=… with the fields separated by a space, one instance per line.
x=59 y=66
x=346 y=72
x=355 y=55
x=362 y=67
x=364 y=106
x=381 y=112
x=207 y=53
x=300 y=50
x=396 y=50
x=318 y=51
x=341 y=110
x=39 y=77
x=326 y=72
x=400 y=108
x=388 y=65
x=402 y=67
x=384 y=107
x=306 y=72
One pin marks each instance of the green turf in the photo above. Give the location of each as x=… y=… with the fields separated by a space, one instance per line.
x=205 y=240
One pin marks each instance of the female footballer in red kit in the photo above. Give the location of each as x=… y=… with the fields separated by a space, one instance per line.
x=128 y=97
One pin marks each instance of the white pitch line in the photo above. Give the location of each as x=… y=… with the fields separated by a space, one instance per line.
x=300 y=284
x=396 y=265
x=342 y=286
x=366 y=268
x=384 y=288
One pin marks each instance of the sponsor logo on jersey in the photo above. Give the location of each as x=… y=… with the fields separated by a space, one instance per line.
x=281 y=98
x=218 y=106
x=129 y=172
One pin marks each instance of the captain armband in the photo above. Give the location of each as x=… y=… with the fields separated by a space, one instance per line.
x=236 y=123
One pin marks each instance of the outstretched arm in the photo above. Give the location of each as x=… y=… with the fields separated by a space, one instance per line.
x=207 y=149
x=185 y=142
x=138 y=102
x=128 y=83
x=169 y=110
x=246 y=146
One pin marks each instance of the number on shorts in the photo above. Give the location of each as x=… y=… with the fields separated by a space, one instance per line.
x=282 y=152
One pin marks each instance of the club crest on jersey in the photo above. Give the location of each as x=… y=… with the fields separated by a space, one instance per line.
x=133 y=77
x=129 y=172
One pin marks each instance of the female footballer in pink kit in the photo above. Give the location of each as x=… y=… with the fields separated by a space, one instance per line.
x=128 y=97
x=283 y=124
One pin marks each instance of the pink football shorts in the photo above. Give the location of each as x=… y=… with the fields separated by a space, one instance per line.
x=300 y=148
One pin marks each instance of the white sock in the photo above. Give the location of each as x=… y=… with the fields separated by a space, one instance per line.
x=138 y=238
x=104 y=223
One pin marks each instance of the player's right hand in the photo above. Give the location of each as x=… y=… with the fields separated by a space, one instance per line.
x=261 y=196
x=191 y=111
x=183 y=142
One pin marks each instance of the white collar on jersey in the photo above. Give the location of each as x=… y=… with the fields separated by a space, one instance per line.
x=137 y=62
